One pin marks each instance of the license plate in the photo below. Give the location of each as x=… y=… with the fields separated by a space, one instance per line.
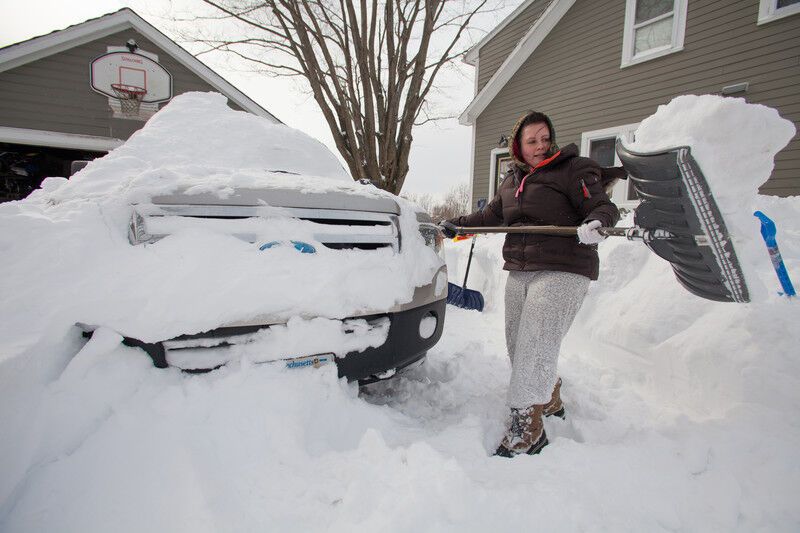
x=313 y=361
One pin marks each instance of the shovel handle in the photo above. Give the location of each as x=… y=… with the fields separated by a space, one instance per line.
x=541 y=230
x=469 y=262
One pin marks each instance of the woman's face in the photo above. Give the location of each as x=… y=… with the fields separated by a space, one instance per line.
x=534 y=143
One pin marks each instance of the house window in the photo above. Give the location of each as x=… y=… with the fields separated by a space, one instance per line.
x=600 y=146
x=499 y=164
x=653 y=28
x=770 y=10
x=602 y=151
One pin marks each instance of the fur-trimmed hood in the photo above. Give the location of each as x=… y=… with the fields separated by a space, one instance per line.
x=513 y=145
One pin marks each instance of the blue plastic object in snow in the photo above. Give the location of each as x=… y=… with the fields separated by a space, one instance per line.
x=768 y=232
x=302 y=247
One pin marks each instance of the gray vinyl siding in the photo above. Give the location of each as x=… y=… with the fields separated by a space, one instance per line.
x=492 y=54
x=53 y=93
x=575 y=77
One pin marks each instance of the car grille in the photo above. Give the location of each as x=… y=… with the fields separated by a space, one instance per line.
x=273 y=343
x=338 y=229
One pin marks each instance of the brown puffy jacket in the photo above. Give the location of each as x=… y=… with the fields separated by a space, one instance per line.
x=565 y=191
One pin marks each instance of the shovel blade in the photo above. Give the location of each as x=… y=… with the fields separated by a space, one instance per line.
x=464 y=298
x=675 y=197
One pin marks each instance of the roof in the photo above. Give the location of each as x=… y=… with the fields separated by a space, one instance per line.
x=24 y=52
x=471 y=57
x=525 y=47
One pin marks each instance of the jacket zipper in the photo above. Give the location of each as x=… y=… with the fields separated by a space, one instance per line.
x=519 y=206
x=585 y=190
x=519 y=195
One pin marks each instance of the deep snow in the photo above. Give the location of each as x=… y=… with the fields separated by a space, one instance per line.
x=69 y=240
x=681 y=416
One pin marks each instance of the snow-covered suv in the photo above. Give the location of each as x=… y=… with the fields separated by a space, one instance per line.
x=247 y=240
x=370 y=344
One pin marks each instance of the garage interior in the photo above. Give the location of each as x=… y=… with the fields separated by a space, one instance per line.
x=23 y=167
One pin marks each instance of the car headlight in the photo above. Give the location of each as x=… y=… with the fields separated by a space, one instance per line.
x=137 y=229
x=433 y=237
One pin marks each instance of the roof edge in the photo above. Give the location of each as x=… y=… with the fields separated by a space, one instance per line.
x=471 y=56
x=36 y=48
x=527 y=45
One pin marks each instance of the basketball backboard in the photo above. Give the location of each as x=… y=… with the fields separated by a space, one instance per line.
x=135 y=70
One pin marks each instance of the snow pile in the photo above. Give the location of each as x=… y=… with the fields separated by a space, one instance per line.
x=198 y=141
x=734 y=144
x=72 y=261
x=681 y=417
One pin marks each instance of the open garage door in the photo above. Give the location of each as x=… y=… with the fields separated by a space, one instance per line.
x=23 y=167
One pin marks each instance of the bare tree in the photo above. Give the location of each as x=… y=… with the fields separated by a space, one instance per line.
x=426 y=202
x=370 y=65
x=455 y=203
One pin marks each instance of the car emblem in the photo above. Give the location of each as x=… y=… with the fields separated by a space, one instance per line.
x=302 y=247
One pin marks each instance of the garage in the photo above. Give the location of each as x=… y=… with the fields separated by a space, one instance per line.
x=73 y=95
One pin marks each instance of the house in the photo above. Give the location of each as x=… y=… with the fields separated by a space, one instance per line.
x=74 y=94
x=599 y=67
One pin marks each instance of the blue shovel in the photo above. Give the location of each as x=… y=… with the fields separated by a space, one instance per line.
x=462 y=296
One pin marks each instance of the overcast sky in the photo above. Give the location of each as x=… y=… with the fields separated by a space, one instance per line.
x=440 y=152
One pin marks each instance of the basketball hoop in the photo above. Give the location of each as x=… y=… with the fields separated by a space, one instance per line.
x=129 y=96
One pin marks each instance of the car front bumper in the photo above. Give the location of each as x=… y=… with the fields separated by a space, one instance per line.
x=407 y=342
x=404 y=345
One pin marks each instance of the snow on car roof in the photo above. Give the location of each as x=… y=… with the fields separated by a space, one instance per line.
x=197 y=142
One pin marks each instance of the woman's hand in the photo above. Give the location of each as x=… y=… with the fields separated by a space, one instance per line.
x=588 y=234
x=448 y=229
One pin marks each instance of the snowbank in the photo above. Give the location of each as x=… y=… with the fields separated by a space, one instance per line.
x=681 y=417
x=198 y=141
x=71 y=260
x=688 y=400
x=734 y=144
x=681 y=411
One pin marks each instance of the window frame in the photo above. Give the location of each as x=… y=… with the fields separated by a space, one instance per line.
x=619 y=194
x=496 y=156
x=769 y=11
x=628 y=40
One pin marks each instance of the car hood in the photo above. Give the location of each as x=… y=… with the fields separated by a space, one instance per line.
x=352 y=200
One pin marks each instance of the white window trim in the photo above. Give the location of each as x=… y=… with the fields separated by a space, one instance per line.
x=678 y=33
x=624 y=132
x=768 y=11
x=474 y=137
x=493 y=169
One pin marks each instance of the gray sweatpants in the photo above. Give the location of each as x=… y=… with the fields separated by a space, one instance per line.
x=540 y=308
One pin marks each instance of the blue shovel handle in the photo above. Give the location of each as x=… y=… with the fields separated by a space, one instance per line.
x=768 y=232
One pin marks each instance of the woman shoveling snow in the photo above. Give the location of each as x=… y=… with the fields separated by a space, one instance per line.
x=548 y=274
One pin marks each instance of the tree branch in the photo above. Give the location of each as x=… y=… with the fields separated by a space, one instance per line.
x=370 y=65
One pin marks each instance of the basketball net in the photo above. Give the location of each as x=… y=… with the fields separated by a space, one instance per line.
x=129 y=96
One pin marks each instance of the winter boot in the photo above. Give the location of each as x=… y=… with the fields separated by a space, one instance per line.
x=525 y=434
x=555 y=407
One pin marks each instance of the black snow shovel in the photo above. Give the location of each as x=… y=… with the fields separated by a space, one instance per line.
x=677 y=219
x=462 y=296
